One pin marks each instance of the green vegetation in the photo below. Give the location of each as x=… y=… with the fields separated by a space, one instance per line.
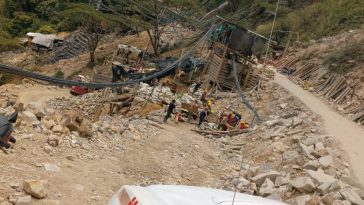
x=59 y=74
x=312 y=19
x=341 y=61
x=322 y=18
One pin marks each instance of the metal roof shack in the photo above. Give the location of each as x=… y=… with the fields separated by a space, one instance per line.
x=228 y=40
x=39 y=41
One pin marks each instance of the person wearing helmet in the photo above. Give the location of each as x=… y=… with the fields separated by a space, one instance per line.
x=243 y=125
x=203 y=96
x=210 y=103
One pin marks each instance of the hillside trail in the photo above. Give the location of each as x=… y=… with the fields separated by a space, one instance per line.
x=348 y=133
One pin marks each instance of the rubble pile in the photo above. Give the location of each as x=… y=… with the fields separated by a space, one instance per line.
x=155 y=95
x=288 y=158
x=87 y=103
x=164 y=94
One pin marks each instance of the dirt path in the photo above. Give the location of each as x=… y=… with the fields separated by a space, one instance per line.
x=349 y=134
x=90 y=174
x=40 y=94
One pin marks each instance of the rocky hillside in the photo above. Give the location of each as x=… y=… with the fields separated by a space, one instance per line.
x=73 y=150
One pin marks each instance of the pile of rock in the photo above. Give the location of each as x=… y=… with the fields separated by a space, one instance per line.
x=28 y=193
x=288 y=159
x=8 y=95
x=157 y=94
x=87 y=103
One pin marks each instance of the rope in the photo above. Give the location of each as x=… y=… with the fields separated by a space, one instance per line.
x=271 y=32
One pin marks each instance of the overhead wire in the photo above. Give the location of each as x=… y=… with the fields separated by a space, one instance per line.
x=271 y=32
x=20 y=72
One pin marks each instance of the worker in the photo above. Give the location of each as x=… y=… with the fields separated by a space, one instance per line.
x=238 y=116
x=230 y=119
x=170 y=109
x=196 y=87
x=203 y=96
x=243 y=125
x=202 y=116
x=193 y=107
x=210 y=102
x=223 y=125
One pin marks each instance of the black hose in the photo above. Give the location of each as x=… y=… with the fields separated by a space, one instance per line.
x=243 y=98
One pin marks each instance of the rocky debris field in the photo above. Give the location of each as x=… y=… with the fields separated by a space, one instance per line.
x=65 y=156
x=289 y=158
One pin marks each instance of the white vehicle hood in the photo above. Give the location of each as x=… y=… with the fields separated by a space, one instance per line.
x=185 y=195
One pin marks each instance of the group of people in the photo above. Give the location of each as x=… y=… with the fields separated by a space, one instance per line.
x=227 y=121
x=171 y=109
x=231 y=120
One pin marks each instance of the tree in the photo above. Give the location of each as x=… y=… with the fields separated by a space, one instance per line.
x=94 y=31
x=161 y=15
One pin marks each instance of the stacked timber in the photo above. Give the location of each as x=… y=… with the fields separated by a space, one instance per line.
x=334 y=87
x=305 y=72
x=287 y=61
x=358 y=115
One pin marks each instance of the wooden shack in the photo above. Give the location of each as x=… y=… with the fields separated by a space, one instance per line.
x=233 y=40
x=219 y=70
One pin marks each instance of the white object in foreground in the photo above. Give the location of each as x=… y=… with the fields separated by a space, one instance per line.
x=183 y=195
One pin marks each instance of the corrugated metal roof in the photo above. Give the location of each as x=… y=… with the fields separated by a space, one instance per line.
x=44 y=39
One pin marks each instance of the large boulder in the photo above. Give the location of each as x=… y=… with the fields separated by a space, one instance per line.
x=267 y=188
x=300 y=200
x=260 y=178
x=306 y=150
x=349 y=194
x=36 y=188
x=290 y=156
x=37 y=108
x=25 y=200
x=328 y=199
x=311 y=140
x=320 y=178
x=312 y=165
x=28 y=116
x=75 y=122
x=303 y=184
x=326 y=160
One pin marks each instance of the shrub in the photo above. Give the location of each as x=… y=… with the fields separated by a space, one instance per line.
x=8 y=44
x=341 y=61
x=46 y=29
x=59 y=74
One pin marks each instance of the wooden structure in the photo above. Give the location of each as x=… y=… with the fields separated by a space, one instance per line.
x=219 y=69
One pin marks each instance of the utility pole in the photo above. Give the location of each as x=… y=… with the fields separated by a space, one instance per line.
x=271 y=32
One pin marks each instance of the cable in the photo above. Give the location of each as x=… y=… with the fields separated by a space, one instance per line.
x=24 y=73
x=243 y=98
x=236 y=186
